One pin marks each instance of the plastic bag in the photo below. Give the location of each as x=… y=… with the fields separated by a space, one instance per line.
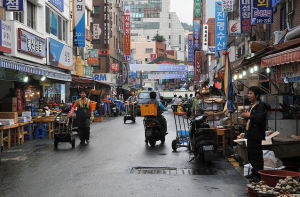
x=269 y=159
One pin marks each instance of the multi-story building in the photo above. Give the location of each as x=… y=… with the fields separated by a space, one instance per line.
x=149 y=17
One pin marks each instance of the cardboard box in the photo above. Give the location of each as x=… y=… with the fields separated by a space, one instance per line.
x=9 y=104
x=26 y=113
x=22 y=119
x=9 y=115
x=7 y=121
x=215 y=115
x=98 y=118
x=268 y=140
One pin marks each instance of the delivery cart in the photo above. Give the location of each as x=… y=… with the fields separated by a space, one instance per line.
x=130 y=113
x=182 y=129
x=63 y=133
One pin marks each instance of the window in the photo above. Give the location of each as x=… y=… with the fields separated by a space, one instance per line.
x=147 y=37
x=18 y=16
x=56 y=25
x=179 y=39
x=169 y=16
x=151 y=25
x=169 y=25
x=31 y=15
x=96 y=11
x=169 y=39
x=149 y=50
x=283 y=25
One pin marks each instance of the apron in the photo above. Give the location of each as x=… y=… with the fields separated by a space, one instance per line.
x=83 y=114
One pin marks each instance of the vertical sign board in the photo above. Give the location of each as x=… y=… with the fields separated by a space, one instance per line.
x=221 y=28
x=196 y=34
x=13 y=5
x=191 y=50
x=92 y=56
x=211 y=50
x=19 y=99
x=78 y=23
x=60 y=55
x=245 y=10
x=197 y=9
x=205 y=38
x=58 y=3
x=5 y=37
x=153 y=56
x=262 y=12
x=132 y=56
x=127 y=33
x=88 y=71
x=114 y=66
x=234 y=28
x=63 y=93
x=227 y=5
x=197 y=66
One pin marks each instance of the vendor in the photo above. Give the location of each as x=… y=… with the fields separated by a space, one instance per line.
x=197 y=103
x=84 y=116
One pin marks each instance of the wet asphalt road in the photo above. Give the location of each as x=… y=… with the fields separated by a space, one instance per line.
x=107 y=167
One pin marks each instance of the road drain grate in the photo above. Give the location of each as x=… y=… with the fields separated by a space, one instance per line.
x=176 y=171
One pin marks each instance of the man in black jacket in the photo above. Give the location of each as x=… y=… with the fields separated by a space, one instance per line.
x=255 y=131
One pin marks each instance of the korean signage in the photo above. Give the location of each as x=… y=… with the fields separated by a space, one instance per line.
x=105 y=77
x=290 y=72
x=19 y=99
x=166 y=76
x=114 y=66
x=234 y=28
x=92 y=56
x=12 y=75
x=13 y=5
x=262 y=12
x=32 y=44
x=88 y=72
x=89 y=4
x=96 y=31
x=132 y=56
x=245 y=10
x=221 y=28
x=159 y=67
x=205 y=38
x=58 y=3
x=211 y=50
x=63 y=93
x=78 y=23
x=197 y=70
x=88 y=35
x=60 y=55
x=197 y=9
x=152 y=56
x=227 y=5
x=79 y=64
x=191 y=50
x=5 y=37
x=196 y=34
x=127 y=33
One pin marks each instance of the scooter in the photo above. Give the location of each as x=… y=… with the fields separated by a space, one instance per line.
x=203 y=140
x=114 y=109
x=153 y=131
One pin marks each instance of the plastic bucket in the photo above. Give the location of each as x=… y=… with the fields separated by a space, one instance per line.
x=93 y=105
x=271 y=177
x=252 y=193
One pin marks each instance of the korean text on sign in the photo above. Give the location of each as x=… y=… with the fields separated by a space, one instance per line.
x=13 y=5
x=245 y=10
x=227 y=5
x=262 y=12
x=196 y=34
x=221 y=28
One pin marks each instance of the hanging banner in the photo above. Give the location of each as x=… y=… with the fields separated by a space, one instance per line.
x=114 y=66
x=132 y=56
x=245 y=10
x=19 y=99
x=221 y=28
x=92 y=56
x=190 y=50
x=13 y=5
x=79 y=23
x=197 y=70
x=60 y=55
x=166 y=76
x=80 y=68
x=5 y=37
x=127 y=33
x=158 y=67
x=196 y=34
x=59 y=4
x=205 y=38
x=262 y=12
x=289 y=72
x=211 y=50
x=234 y=28
x=88 y=71
x=227 y=5
x=197 y=9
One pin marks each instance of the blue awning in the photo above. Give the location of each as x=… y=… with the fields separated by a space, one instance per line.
x=47 y=72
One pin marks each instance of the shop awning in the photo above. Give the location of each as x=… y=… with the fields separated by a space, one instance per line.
x=47 y=72
x=284 y=57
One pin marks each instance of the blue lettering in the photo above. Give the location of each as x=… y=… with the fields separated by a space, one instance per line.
x=103 y=77
x=96 y=77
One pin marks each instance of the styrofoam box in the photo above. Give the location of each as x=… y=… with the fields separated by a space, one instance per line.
x=22 y=119
x=248 y=167
x=7 y=121
x=26 y=113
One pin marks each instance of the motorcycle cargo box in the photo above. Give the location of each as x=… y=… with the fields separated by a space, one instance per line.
x=148 y=110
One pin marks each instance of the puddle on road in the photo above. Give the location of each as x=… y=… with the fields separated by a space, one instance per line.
x=176 y=171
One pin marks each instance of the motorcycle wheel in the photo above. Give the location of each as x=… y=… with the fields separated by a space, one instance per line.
x=174 y=147
x=163 y=139
x=152 y=142
x=55 y=144
x=124 y=120
x=73 y=143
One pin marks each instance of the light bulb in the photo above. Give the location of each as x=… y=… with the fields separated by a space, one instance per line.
x=268 y=70
x=244 y=73
x=235 y=77
x=241 y=76
x=25 y=78
x=251 y=70
x=255 y=68
x=43 y=78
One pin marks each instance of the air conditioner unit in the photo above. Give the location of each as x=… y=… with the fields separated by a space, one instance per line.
x=117 y=5
x=278 y=35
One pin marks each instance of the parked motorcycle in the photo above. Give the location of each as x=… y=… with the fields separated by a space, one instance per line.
x=153 y=131
x=114 y=108
x=203 y=140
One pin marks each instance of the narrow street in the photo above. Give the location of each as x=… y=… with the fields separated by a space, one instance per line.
x=110 y=166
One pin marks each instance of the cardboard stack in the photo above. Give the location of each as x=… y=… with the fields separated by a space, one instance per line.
x=26 y=117
x=8 y=118
x=214 y=107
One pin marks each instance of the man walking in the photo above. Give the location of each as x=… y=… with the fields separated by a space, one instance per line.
x=255 y=131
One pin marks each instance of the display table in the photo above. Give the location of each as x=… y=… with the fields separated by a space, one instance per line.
x=282 y=147
x=8 y=128
x=224 y=133
x=21 y=129
x=48 y=120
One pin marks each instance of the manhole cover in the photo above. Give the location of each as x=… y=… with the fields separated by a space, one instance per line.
x=176 y=171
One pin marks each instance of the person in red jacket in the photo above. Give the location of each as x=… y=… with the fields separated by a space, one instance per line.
x=84 y=116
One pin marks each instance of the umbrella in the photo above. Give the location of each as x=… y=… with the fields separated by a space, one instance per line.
x=228 y=86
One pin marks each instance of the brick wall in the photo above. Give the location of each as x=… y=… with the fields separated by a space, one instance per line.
x=211 y=31
x=161 y=49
